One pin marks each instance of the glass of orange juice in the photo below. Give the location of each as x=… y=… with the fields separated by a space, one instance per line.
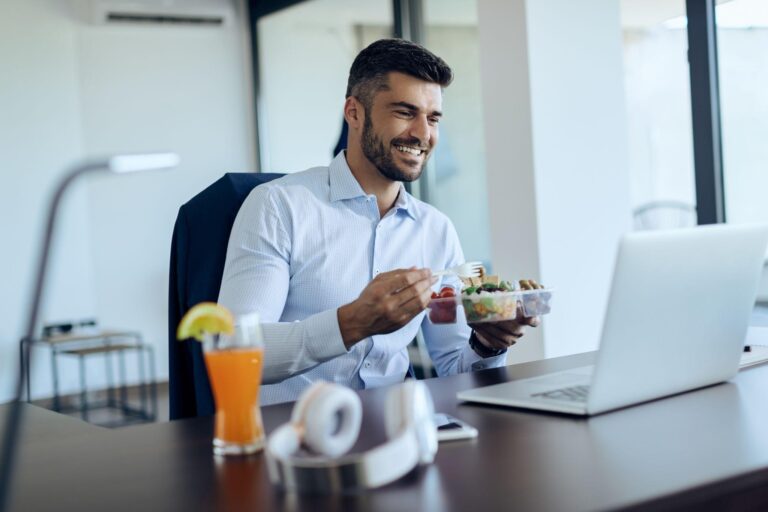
x=234 y=364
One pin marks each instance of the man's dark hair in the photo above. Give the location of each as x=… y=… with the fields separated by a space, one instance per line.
x=369 y=71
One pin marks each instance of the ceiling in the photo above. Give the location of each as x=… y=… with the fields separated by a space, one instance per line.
x=635 y=14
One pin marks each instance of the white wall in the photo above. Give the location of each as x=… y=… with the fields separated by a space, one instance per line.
x=39 y=134
x=81 y=89
x=298 y=131
x=305 y=53
x=557 y=165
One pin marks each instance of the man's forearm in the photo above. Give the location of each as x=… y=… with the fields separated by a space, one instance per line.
x=294 y=347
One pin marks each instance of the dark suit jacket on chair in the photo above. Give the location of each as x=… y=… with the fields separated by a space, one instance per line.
x=198 y=252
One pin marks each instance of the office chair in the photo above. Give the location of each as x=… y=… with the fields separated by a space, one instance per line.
x=198 y=253
x=667 y=214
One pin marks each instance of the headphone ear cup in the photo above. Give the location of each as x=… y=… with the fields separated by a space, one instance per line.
x=299 y=412
x=410 y=406
x=285 y=440
x=331 y=418
x=398 y=408
x=423 y=407
x=424 y=422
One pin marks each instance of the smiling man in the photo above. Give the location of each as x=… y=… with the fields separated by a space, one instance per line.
x=336 y=260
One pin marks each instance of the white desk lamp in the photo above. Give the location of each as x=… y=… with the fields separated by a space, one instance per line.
x=118 y=164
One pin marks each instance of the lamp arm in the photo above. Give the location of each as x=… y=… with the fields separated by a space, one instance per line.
x=10 y=432
x=44 y=256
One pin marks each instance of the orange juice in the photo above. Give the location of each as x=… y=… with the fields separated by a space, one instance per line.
x=235 y=375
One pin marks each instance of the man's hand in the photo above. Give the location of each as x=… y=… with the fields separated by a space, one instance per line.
x=502 y=335
x=389 y=302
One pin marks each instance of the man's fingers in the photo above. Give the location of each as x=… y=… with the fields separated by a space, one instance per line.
x=417 y=296
x=400 y=279
x=402 y=313
x=533 y=321
x=494 y=343
x=502 y=330
x=399 y=304
x=412 y=278
x=500 y=334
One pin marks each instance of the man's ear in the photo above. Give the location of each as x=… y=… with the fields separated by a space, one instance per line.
x=354 y=113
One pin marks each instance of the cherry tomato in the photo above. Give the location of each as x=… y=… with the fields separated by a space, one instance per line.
x=443 y=312
x=447 y=292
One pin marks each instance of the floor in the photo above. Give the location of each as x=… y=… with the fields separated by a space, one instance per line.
x=113 y=417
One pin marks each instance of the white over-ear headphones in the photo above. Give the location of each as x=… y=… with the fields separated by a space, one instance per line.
x=326 y=421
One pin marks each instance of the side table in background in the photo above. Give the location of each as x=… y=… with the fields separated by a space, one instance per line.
x=111 y=344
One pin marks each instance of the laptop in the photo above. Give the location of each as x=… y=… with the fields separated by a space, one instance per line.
x=676 y=320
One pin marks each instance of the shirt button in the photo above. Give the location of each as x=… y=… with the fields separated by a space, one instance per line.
x=367 y=364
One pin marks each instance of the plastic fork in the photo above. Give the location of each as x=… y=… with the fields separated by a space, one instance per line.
x=466 y=270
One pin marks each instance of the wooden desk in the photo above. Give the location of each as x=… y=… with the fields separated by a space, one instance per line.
x=700 y=450
x=44 y=426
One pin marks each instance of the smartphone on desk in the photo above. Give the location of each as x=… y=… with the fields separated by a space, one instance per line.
x=453 y=429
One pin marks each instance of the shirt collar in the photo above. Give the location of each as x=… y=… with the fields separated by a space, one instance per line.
x=344 y=185
x=405 y=203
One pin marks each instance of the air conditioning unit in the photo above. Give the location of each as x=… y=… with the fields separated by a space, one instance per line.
x=201 y=13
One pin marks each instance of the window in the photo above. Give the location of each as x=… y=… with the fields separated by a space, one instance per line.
x=658 y=97
x=742 y=40
x=456 y=179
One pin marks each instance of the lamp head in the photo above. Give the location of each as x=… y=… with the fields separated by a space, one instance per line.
x=141 y=162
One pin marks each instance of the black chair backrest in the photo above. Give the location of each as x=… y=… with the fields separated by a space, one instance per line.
x=198 y=253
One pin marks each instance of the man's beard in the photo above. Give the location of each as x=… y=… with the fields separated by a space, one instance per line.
x=375 y=151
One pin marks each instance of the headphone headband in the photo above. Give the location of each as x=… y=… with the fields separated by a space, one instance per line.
x=374 y=468
x=379 y=466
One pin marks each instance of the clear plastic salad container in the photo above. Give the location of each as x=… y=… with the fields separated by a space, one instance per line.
x=500 y=306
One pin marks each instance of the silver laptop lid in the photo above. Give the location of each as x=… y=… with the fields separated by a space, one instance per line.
x=678 y=312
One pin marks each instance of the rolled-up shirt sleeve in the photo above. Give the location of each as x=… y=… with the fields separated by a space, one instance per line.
x=256 y=279
x=448 y=344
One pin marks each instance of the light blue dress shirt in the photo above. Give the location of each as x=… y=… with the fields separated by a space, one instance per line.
x=306 y=244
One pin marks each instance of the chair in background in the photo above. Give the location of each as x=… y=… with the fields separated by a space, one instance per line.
x=198 y=253
x=667 y=214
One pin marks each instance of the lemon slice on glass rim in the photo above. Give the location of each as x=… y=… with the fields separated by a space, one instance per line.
x=205 y=318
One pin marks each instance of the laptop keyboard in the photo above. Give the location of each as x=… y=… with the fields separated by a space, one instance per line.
x=571 y=394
